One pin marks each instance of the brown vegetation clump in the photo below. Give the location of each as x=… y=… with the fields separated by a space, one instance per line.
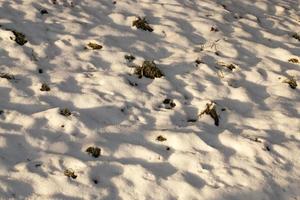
x=169 y=103
x=7 y=76
x=65 y=112
x=45 y=88
x=142 y=23
x=292 y=82
x=70 y=173
x=129 y=58
x=211 y=111
x=296 y=36
x=20 y=38
x=94 y=151
x=294 y=60
x=161 y=138
x=149 y=70
x=93 y=46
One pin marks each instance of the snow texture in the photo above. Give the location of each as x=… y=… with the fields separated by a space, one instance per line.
x=222 y=123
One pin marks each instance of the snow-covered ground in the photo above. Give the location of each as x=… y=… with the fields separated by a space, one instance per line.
x=240 y=56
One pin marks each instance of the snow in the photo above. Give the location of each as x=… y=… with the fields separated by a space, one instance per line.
x=252 y=154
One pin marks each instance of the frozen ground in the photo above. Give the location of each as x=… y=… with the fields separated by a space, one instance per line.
x=238 y=54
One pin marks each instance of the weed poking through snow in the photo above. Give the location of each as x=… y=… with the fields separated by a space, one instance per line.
x=142 y=23
x=7 y=76
x=45 y=88
x=296 y=36
x=198 y=61
x=211 y=111
x=20 y=38
x=169 y=103
x=65 y=112
x=93 y=46
x=95 y=181
x=70 y=173
x=161 y=138
x=214 y=29
x=292 y=82
x=94 y=151
x=294 y=60
x=44 y=12
x=129 y=58
x=229 y=66
x=149 y=70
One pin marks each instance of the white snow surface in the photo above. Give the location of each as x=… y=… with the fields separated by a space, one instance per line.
x=252 y=154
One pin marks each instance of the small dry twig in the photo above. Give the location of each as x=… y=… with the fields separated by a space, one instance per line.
x=211 y=111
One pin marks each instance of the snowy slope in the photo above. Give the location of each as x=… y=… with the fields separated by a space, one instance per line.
x=237 y=54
